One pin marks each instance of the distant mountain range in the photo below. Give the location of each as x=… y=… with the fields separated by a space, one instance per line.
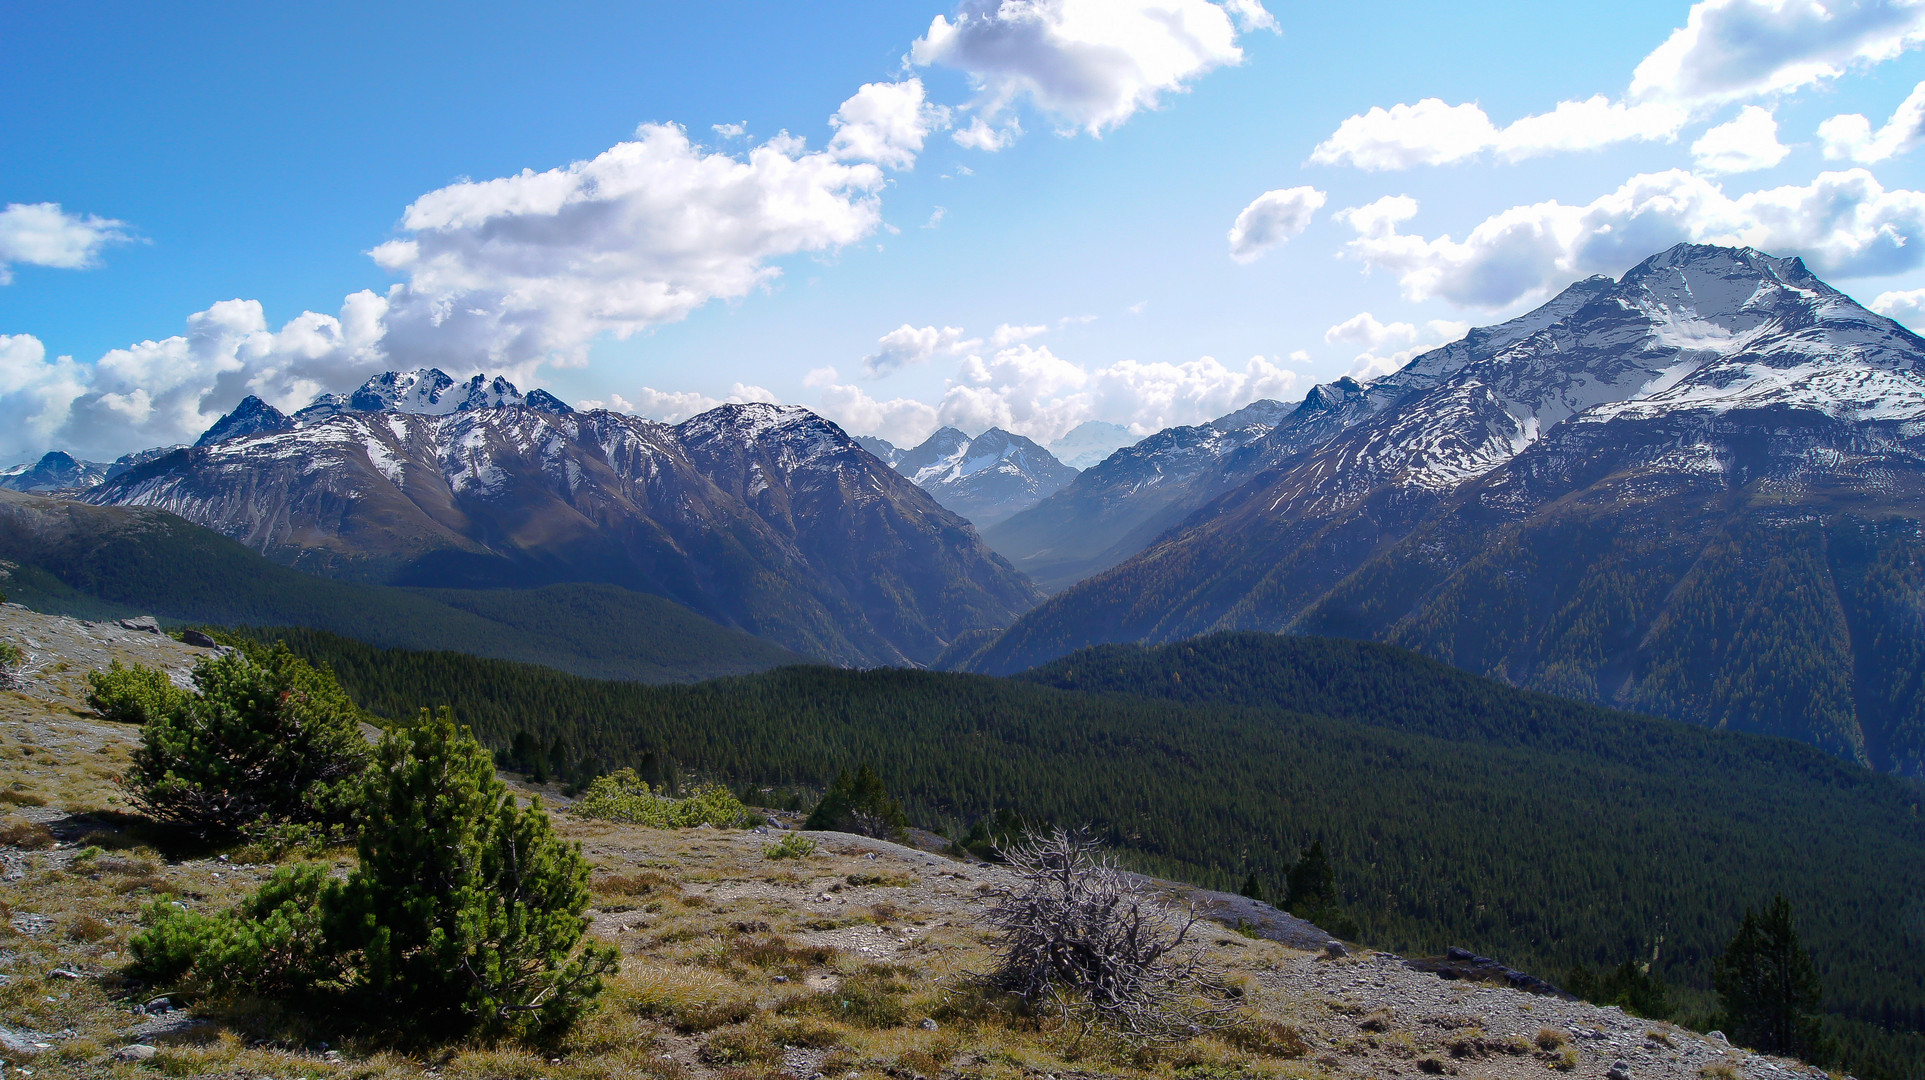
x=55 y=471
x=1696 y=491
x=764 y=518
x=1115 y=508
x=986 y=478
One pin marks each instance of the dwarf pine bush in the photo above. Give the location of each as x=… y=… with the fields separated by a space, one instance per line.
x=465 y=914
x=625 y=797
x=260 y=740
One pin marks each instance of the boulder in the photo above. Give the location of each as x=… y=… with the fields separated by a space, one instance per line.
x=198 y=640
x=135 y=1052
x=145 y=624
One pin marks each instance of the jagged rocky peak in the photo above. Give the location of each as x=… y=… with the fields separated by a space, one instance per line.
x=986 y=478
x=889 y=453
x=251 y=417
x=429 y=392
x=56 y=470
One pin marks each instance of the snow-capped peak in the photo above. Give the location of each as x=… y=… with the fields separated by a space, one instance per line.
x=429 y=392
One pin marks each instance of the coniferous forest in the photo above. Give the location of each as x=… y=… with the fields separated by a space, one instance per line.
x=1454 y=810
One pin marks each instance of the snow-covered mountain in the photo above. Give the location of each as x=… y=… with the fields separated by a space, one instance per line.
x=56 y=470
x=1696 y=490
x=1116 y=507
x=1089 y=442
x=986 y=478
x=428 y=392
x=881 y=448
x=762 y=517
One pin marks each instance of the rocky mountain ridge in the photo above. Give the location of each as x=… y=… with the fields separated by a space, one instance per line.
x=766 y=518
x=1694 y=490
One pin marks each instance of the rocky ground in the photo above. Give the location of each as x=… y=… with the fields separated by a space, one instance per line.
x=851 y=963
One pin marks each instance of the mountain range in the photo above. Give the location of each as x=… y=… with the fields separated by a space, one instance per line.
x=1115 y=508
x=986 y=478
x=1694 y=491
x=764 y=518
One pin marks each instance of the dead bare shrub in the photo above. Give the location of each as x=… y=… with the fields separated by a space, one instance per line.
x=30 y=835
x=1077 y=933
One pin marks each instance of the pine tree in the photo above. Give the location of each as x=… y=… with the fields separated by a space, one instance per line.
x=1252 y=889
x=466 y=907
x=859 y=804
x=1768 y=985
x=263 y=739
x=1312 y=893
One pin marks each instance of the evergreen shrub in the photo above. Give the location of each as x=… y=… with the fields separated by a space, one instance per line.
x=625 y=797
x=465 y=913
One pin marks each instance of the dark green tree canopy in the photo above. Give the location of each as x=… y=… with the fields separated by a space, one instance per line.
x=1768 y=985
x=859 y=804
x=262 y=739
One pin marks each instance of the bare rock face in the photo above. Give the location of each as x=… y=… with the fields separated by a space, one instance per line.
x=1694 y=491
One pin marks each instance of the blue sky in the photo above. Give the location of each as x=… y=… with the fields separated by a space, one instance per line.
x=353 y=179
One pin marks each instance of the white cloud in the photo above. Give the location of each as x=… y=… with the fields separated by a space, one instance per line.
x=935 y=217
x=1850 y=136
x=1251 y=15
x=1090 y=64
x=42 y=234
x=158 y=393
x=39 y=395
x=673 y=407
x=906 y=345
x=1007 y=334
x=1745 y=144
x=533 y=266
x=731 y=131
x=1364 y=329
x=1432 y=132
x=1728 y=50
x=1032 y=391
x=1300 y=356
x=1905 y=307
x=1272 y=218
x=902 y=421
x=979 y=134
x=1844 y=224
x=885 y=123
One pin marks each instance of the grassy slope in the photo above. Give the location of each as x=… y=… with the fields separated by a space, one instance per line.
x=1461 y=812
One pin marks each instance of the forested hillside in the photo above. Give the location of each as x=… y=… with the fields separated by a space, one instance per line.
x=103 y=562
x=1544 y=832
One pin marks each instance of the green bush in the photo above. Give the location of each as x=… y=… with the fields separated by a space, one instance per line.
x=132 y=695
x=625 y=797
x=11 y=658
x=465 y=914
x=859 y=804
x=792 y=846
x=267 y=739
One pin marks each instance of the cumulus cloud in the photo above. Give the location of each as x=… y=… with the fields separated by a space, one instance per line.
x=885 y=123
x=42 y=234
x=1007 y=334
x=1272 y=218
x=673 y=407
x=1251 y=15
x=40 y=393
x=1364 y=329
x=1088 y=64
x=1850 y=136
x=1745 y=144
x=1432 y=132
x=1905 y=307
x=902 y=421
x=158 y=393
x=1730 y=50
x=1727 y=51
x=533 y=266
x=1032 y=391
x=906 y=345
x=1844 y=224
